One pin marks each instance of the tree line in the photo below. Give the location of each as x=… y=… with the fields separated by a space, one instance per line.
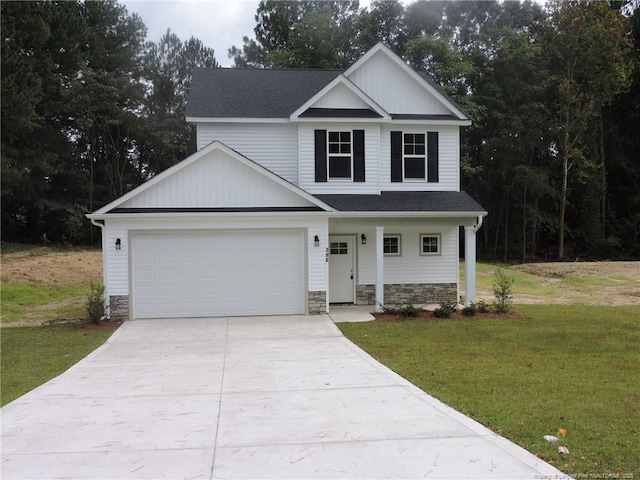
x=90 y=110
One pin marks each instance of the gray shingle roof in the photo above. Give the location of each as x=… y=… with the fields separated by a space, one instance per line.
x=261 y=92
x=254 y=93
x=404 y=202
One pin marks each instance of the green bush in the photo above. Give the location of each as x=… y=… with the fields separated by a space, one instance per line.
x=409 y=310
x=445 y=309
x=469 y=311
x=502 y=284
x=481 y=306
x=95 y=303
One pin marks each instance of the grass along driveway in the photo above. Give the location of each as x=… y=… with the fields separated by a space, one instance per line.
x=572 y=367
x=30 y=356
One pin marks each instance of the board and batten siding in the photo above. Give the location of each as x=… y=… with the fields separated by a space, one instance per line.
x=272 y=145
x=117 y=261
x=410 y=266
x=448 y=157
x=393 y=89
x=306 y=148
x=217 y=180
x=340 y=97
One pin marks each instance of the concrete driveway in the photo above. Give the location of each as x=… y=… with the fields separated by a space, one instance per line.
x=260 y=397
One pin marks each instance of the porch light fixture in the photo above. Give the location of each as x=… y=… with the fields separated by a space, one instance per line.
x=363 y=239
x=316 y=241
x=118 y=244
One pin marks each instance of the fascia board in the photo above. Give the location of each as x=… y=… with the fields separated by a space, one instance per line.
x=340 y=120
x=380 y=47
x=341 y=79
x=461 y=123
x=411 y=214
x=235 y=120
x=183 y=216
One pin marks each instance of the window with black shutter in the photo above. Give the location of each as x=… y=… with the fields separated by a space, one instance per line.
x=339 y=155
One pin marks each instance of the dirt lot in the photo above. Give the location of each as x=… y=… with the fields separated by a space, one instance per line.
x=591 y=283
x=47 y=267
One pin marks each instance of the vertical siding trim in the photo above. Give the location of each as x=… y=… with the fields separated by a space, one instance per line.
x=320 y=155
x=358 y=156
x=396 y=156
x=432 y=157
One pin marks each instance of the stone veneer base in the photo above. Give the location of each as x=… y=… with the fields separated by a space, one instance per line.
x=317 y=302
x=413 y=293
x=119 y=307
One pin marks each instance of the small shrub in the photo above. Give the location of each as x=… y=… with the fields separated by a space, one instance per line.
x=481 y=306
x=95 y=303
x=409 y=310
x=502 y=284
x=445 y=309
x=469 y=311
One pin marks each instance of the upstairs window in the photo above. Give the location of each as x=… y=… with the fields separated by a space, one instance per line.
x=339 y=148
x=339 y=156
x=414 y=156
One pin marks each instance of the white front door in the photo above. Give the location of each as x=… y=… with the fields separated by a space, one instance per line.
x=341 y=269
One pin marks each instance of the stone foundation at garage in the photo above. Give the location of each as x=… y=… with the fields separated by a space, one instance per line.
x=119 y=307
x=317 y=302
x=413 y=293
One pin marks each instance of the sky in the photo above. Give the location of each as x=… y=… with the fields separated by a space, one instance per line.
x=219 y=24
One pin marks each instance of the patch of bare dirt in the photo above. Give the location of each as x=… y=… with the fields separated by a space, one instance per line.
x=45 y=266
x=590 y=283
x=559 y=270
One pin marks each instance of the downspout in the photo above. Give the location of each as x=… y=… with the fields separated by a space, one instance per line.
x=104 y=263
x=479 y=224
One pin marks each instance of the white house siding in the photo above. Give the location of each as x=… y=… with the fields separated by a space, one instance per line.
x=393 y=89
x=306 y=148
x=340 y=97
x=272 y=145
x=216 y=180
x=117 y=261
x=448 y=158
x=410 y=266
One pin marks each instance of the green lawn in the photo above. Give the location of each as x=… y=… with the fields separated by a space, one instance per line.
x=31 y=356
x=35 y=302
x=572 y=367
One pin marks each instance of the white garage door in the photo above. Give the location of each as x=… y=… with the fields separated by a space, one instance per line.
x=206 y=273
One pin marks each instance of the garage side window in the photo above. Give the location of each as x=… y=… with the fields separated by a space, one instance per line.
x=391 y=245
x=429 y=244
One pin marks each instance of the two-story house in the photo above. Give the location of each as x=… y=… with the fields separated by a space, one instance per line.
x=309 y=188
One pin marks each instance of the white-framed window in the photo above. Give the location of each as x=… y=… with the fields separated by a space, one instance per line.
x=339 y=157
x=414 y=156
x=430 y=244
x=338 y=248
x=392 y=245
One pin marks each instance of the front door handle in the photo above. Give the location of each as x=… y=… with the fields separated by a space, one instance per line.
x=351 y=277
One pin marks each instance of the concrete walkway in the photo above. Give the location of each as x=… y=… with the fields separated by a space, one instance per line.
x=268 y=397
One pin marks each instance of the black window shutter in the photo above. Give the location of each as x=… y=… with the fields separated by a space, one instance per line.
x=432 y=157
x=358 y=156
x=321 y=155
x=396 y=156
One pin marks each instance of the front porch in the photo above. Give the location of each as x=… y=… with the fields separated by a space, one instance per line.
x=393 y=261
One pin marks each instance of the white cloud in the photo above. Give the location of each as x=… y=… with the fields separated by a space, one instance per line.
x=218 y=24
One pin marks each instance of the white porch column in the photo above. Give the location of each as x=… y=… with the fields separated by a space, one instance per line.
x=469 y=265
x=379 y=268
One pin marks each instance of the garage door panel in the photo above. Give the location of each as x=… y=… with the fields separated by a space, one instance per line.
x=183 y=274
